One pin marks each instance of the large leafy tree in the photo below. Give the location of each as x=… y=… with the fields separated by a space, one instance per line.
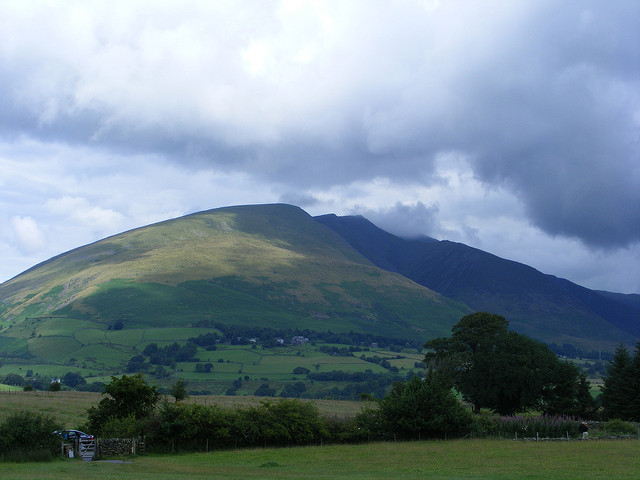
x=498 y=369
x=128 y=397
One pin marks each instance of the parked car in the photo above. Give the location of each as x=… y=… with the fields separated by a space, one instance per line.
x=71 y=435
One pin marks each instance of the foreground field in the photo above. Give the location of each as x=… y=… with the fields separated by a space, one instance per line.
x=460 y=459
x=70 y=408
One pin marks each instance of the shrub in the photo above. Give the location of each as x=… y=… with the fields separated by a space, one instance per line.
x=189 y=427
x=619 y=427
x=485 y=424
x=28 y=436
x=123 y=427
x=422 y=408
x=283 y=422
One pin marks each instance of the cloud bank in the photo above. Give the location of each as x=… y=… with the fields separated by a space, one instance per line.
x=452 y=119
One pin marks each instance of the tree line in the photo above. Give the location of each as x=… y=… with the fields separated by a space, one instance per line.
x=265 y=336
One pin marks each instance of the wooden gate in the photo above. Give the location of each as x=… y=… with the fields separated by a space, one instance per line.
x=86 y=448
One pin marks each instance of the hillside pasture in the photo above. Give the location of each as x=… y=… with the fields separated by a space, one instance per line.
x=88 y=336
x=98 y=353
x=54 y=349
x=129 y=338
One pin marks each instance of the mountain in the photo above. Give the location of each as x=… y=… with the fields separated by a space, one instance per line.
x=97 y=307
x=269 y=265
x=543 y=306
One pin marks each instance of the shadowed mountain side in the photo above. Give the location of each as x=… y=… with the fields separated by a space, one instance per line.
x=543 y=306
x=630 y=300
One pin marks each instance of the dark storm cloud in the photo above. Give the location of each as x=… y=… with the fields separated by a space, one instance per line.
x=551 y=113
x=540 y=97
x=565 y=136
x=408 y=221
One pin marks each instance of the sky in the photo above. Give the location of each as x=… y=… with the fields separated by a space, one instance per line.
x=511 y=126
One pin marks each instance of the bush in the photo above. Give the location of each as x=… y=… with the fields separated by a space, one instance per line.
x=28 y=436
x=283 y=422
x=485 y=424
x=619 y=427
x=124 y=427
x=423 y=408
x=180 y=426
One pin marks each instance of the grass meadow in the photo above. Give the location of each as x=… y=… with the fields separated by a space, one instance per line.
x=454 y=459
x=70 y=408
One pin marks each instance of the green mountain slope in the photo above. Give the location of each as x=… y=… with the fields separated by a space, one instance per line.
x=269 y=265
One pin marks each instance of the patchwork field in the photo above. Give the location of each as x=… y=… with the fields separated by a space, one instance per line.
x=63 y=345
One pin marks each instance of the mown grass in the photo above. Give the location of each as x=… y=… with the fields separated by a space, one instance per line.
x=459 y=459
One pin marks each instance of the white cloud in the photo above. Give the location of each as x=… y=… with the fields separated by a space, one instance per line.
x=27 y=234
x=477 y=118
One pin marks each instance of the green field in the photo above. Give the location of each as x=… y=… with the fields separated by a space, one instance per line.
x=70 y=408
x=64 y=345
x=457 y=459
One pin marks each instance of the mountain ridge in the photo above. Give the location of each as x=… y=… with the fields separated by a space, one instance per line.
x=485 y=281
x=276 y=263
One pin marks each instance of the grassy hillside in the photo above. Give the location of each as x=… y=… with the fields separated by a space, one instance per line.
x=243 y=264
x=97 y=306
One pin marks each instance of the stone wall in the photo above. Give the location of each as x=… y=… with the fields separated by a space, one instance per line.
x=107 y=447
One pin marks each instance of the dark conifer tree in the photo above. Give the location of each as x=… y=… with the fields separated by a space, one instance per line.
x=634 y=387
x=617 y=393
x=586 y=404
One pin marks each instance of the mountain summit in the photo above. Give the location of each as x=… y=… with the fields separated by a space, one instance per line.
x=269 y=265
